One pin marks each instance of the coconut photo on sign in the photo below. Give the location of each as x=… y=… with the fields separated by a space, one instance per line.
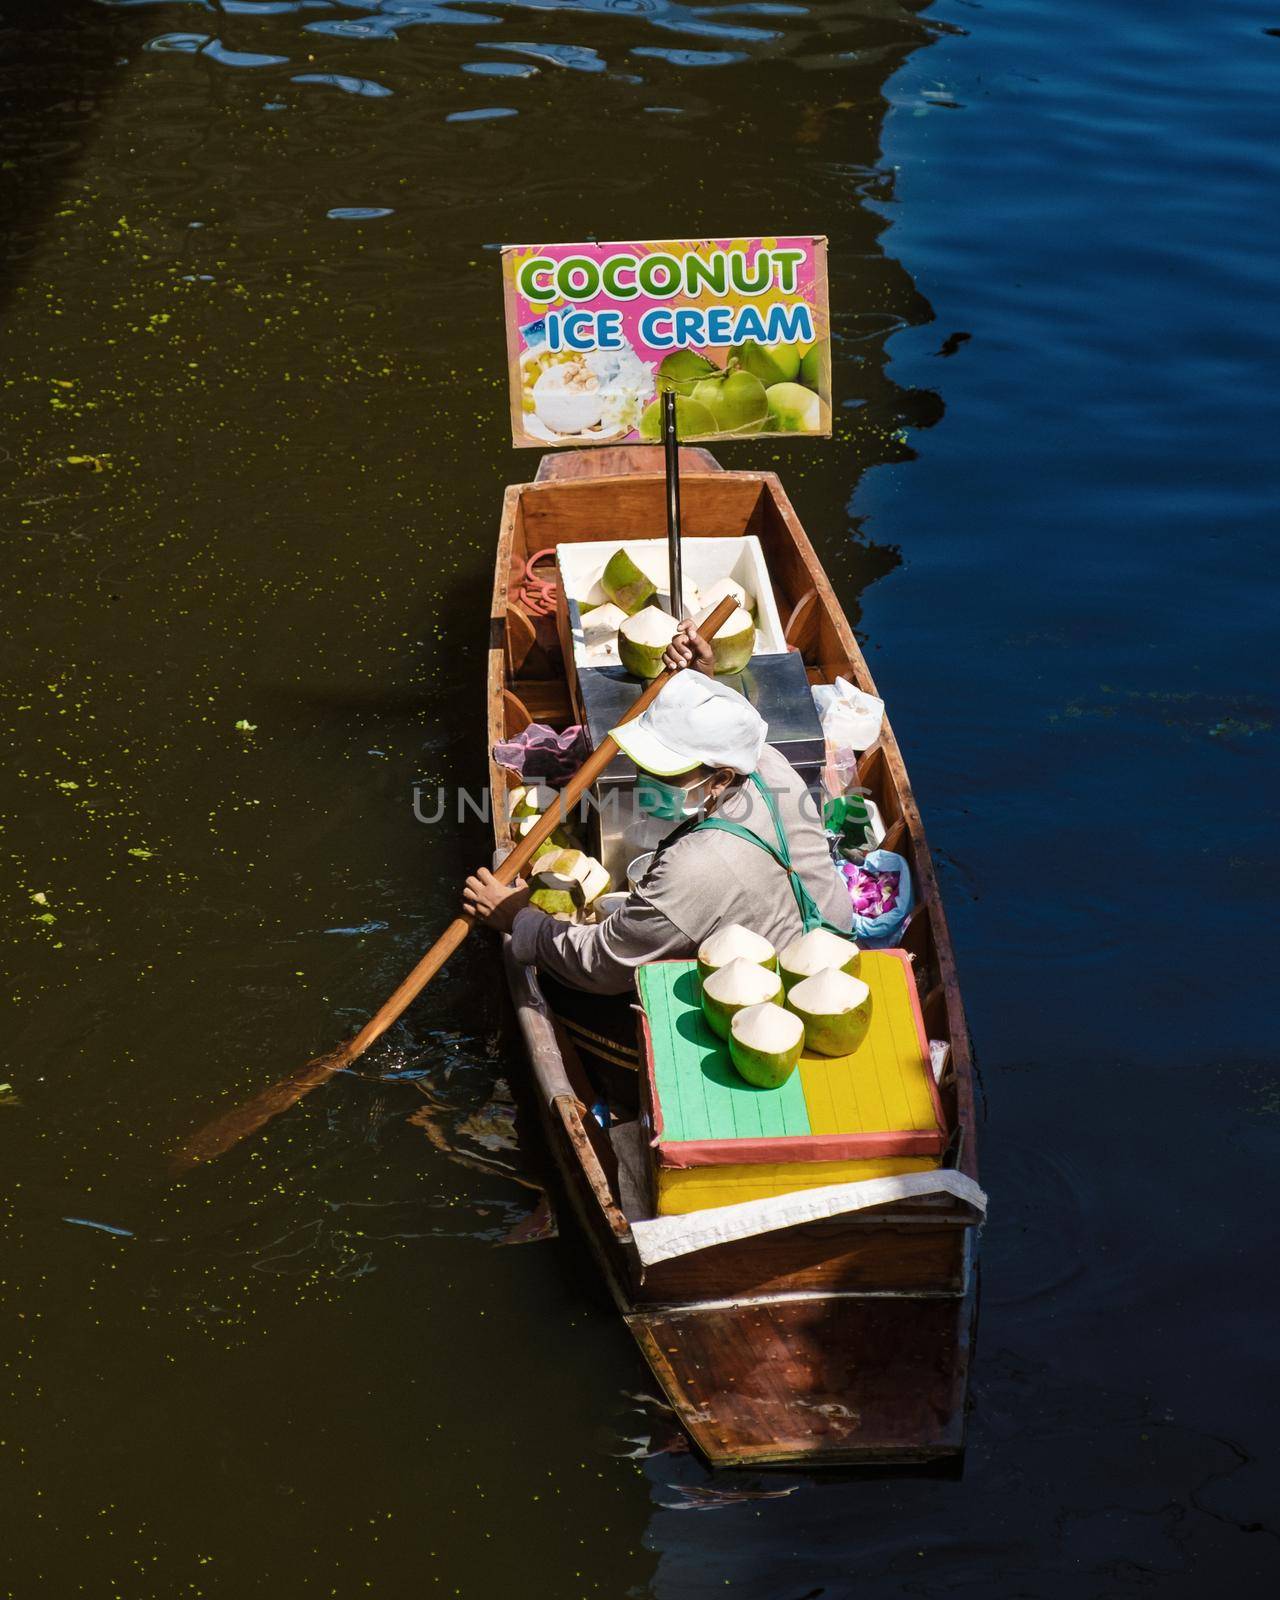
x=739 y=328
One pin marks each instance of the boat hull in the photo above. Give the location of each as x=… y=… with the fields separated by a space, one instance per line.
x=843 y=1342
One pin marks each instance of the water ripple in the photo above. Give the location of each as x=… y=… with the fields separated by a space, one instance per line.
x=338 y=80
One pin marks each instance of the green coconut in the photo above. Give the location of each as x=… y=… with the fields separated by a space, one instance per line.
x=595 y=596
x=693 y=420
x=681 y=370
x=574 y=873
x=736 y=400
x=771 y=363
x=730 y=943
x=794 y=409
x=558 y=903
x=532 y=800
x=835 y=1009
x=710 y=597
x=765 y=1043
x=561 y=837
x=741 y=983
x=814 y=952
x=811 y=367
x=735 y=644
x=627 y=587
x=642 y=640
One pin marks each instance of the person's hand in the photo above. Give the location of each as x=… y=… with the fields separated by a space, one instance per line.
x=689 y=649
x=494 y=905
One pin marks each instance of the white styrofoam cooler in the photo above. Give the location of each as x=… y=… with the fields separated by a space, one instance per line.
x=704 y=561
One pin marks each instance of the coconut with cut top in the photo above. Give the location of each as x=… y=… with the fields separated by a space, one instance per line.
x=731 y=942
x=765 y=1042
x=739 y=984
x=814 y=952
x=626 y=584
x=735 y=643
x=835 y=1009
x=643 y=638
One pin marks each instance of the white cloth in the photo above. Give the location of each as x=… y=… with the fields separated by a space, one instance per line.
x=663 y=1238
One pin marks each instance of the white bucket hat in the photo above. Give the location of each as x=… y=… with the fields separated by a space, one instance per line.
x=694 y=721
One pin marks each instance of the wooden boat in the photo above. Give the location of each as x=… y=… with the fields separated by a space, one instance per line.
x=845 y=1340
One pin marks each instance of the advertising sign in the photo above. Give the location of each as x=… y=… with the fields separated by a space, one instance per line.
x=739 y=328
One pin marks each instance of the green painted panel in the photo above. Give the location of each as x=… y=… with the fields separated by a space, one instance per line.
x=699 y=1090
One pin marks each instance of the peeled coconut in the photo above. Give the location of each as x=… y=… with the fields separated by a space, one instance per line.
x=595 y=596
x=794 y=409
x=835 y=1009
x=625 y=584
x=557 y=903
x=726 y=992
x=600 y=631
x=814 y=952
x=730 y=943
x=735 y=644
x=642 y=640
x=532 y=800
x=560 y=838
x=710 y=597
x=573 y=872
x=765 y=1042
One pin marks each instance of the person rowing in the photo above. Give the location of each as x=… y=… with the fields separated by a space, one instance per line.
x=747 y=844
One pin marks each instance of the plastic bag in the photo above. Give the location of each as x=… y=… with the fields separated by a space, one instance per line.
x=850 y=724
x=887 y=875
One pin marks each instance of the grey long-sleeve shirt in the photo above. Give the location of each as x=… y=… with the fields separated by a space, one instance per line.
x=699 y=883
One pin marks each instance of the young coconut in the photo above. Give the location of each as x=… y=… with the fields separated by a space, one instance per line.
x=835 y=1009
x=600 y=632
x=731 y=942
x=794 y=409
x=594 y=597
x=734 y=987
x=765 y=1042
x=710 y=597
x=561 y=838
x=643 y=638
x=558 y=903
x=532 y=800
x=735 y=644
x=572 y=872
x=814 y=952
x=625 y=584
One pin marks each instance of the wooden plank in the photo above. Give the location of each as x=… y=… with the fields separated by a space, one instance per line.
x=821 y=1382
x=608 y=461
x=627 y=507
x=864 y=1254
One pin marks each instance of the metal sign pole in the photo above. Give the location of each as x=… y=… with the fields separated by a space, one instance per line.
x=671 y=448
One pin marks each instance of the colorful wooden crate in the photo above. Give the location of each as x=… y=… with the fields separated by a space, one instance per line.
x=716 y=1139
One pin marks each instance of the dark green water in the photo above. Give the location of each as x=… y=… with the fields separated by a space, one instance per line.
x=253 y=453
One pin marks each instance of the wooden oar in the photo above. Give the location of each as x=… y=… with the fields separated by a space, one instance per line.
x=218 y=1136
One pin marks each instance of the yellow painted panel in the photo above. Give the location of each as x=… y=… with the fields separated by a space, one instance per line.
x=884 y=1085
x=682 y=1189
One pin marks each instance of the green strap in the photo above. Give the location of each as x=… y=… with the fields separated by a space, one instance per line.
x=810 y=916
